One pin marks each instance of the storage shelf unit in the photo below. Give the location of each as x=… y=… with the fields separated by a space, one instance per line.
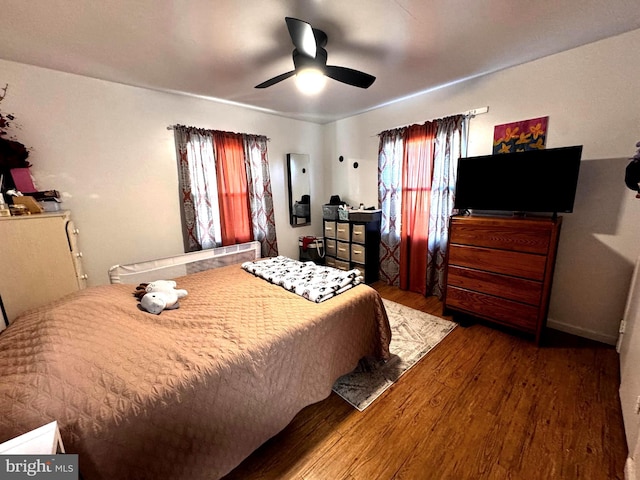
x=354 y=243
x=501 y=269
x=40 y=261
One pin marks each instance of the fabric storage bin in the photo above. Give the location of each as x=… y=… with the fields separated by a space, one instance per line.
x=311 y=251
x=330 y=262
x=365 y=215
x=330 y=212
x=357 y=253
x=342 y=265
x=358 y=233
x=342 y=231
x=330 y=229
x=343 y=251
x=331 y=247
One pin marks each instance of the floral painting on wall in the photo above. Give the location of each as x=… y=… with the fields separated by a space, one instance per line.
x=520 y=136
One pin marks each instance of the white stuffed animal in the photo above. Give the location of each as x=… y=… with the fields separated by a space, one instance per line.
x=161 y=295
x=165 y=286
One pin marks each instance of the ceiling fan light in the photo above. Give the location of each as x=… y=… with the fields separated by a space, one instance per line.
x=310 y=81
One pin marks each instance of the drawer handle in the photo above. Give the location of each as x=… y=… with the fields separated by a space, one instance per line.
x=340 y=249
x=357 y=233
x=79 y=254
x=341 y=230
x=84 y=277
x=358 y=252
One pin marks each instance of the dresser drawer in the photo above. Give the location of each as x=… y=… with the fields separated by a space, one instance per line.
x=330 y=229
x=330 y=246
x=511 y=288
x=342 y=231
x=343 y=251
x=329 y=261
x=357 y=253
x=505 y=236
x=507 y=312
x=518 y=264
x=358 y=233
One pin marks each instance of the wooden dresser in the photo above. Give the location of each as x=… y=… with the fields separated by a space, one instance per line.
x=354 y=243
x=40 y=261
x=501 y=269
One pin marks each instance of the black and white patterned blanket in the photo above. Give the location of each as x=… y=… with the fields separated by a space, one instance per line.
x=313 y=282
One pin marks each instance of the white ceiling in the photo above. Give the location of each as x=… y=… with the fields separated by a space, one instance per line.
x=223 y=48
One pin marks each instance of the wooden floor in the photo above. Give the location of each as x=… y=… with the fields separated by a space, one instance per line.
x=483 y=404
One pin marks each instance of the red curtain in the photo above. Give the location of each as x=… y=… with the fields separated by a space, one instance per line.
x=233 y=195
x=417 y=175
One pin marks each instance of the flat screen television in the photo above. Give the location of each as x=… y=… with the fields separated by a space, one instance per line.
x=542 y=181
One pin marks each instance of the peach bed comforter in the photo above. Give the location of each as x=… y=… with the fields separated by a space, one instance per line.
x=187 y=394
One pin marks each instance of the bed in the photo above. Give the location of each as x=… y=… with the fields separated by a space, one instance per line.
x=189 y=393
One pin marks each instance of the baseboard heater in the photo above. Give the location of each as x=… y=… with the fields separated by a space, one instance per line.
x=171 y=267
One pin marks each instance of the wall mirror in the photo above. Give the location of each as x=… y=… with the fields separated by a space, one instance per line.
x=299 y=189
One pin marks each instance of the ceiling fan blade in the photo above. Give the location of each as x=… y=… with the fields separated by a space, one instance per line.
x=275 y=80
x=302 y=36
x=349 y=76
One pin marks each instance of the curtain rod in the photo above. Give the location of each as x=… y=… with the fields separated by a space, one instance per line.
x=469 y=114
x=476 y=111
x=172 y=127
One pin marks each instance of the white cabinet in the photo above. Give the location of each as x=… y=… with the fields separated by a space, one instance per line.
x=44 y=440
x=629 y=348
x=39 y=261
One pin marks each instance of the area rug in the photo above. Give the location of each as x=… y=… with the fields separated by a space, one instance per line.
x=413 y=335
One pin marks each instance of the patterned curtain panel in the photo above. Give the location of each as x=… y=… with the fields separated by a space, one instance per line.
x=263 y=220
x=395 y=147
x=448 y=149
x=225 y=189
x=198 y=188
x=390 y=151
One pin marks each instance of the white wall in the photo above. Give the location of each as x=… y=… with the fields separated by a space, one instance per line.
x=629 y=348
x=591 y=97
x=106 y=148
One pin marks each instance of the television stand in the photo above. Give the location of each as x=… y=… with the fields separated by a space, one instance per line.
x=500 y=269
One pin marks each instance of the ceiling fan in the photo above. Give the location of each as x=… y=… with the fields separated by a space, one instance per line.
x=309 y=54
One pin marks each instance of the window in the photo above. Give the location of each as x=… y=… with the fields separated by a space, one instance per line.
x=416 y=181
x=225 y=189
